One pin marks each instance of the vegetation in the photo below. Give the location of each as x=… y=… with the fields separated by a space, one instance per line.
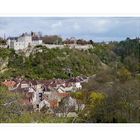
x=11 y=111
x=51 y=63
x=111 y=95
x=54 y=39
x=2 y=41
x=116 y=103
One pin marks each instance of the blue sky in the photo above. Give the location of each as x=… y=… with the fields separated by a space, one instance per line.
x=95 y=28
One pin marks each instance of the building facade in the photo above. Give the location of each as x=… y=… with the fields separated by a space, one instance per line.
x=23 y=41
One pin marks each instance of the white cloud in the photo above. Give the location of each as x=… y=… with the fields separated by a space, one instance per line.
x=80 y=27
x=76 y=26
x=101 y=25
x=56 y=25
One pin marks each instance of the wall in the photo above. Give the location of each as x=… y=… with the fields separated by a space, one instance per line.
x=25 y=39
x=19 y=45
x=80 y=47
x=36 y=42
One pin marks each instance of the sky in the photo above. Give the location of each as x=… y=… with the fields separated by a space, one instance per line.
x=95 y=28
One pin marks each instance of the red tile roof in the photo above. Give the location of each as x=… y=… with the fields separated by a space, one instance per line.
x=25 y=102
x=63 y=94
x=9 y=83
x=53 y=103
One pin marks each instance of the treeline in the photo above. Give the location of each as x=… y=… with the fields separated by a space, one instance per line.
x=55 y=39
x=78 y=41
x=52 y=39
x=129 y=52
x=110 y=101
x=113 y=95
x=120 y=54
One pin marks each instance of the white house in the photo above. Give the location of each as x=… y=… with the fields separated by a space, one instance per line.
x=78 y=85
x=37 y=100
x=23 y=41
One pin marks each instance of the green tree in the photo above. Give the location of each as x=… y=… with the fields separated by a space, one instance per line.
x=124 y=74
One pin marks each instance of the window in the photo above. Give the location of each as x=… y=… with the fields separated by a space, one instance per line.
x=37 y=105
x=40 y=96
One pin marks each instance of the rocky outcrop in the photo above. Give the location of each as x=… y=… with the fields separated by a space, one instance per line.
x=3 y=64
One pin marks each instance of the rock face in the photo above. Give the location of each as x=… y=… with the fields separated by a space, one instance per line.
x=3 y=46
x=29 y=50
x=3 y=64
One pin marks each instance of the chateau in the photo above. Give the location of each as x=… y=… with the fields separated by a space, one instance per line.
x=24 y=41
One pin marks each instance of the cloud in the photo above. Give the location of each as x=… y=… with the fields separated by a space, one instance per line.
x=76 y=26
x=96 y=28
x=100 y=25
x=56 y=25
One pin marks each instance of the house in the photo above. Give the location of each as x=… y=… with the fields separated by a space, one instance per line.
x=63 y=89
x=22 y=86
x=9 y=83
x=60 y=96
x=67 y=107
x=53 y=95
x=38 y=101
x=68 y=104
x=72 y=115
x=78 y=85
x=25 y=84
x=59 y=114
x=53 y=103
x=77 y=82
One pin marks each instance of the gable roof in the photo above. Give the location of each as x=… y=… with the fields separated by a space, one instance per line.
x=53 y=103
x=9 y=83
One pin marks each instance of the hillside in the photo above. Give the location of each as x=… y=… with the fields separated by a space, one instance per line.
x=43 y=63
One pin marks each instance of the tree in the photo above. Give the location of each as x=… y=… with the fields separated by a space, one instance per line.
x=96 y=97
x=94 y=110
x=124 y=74
x=2 y=41
x=54 y=39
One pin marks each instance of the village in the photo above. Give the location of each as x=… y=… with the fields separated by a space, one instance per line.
x=52 y=95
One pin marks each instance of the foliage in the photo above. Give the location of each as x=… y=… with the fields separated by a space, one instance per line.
x=129 y=52
x=114 y=103
x=105 y=53
x=11 y=111
x=2 y=41
x=52 y=63
x=96 y=97
x=111 y=95
x=4 y=53
x=77 y=95
x=124 y=74
x=54 y=39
